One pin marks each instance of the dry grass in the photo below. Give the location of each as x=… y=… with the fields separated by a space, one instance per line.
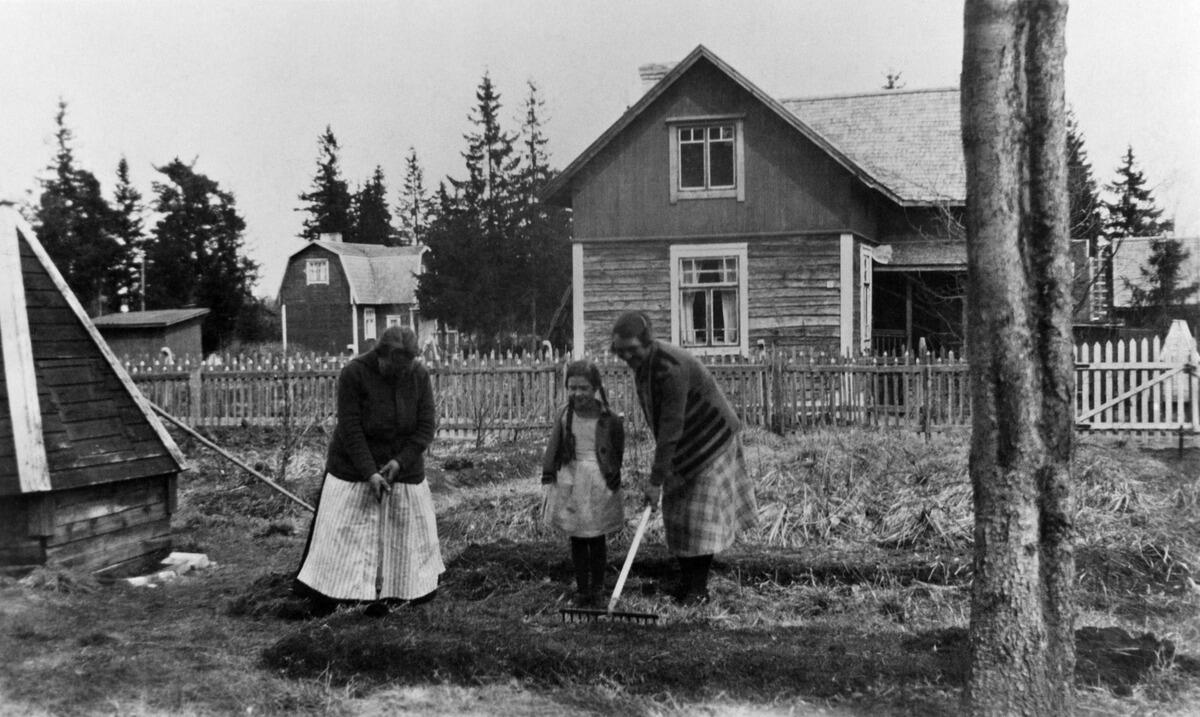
x=850 y=596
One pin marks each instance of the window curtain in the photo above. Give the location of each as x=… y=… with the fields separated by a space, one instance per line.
x=729 y=316
x=687 y=319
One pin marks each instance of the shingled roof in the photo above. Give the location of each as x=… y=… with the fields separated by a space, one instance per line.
x=905 y=144
x=378 y=274
x=908 y=140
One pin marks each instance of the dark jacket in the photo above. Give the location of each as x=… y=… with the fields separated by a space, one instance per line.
x=378 y=420
x=689 y=415
x=610 y=448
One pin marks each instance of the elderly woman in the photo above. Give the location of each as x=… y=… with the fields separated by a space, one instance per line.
x=374 y=537
x=699 y=470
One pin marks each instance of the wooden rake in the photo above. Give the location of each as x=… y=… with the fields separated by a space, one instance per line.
x=583 y=614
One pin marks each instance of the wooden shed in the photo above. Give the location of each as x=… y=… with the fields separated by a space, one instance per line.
x=147 y=333
x=87 y=471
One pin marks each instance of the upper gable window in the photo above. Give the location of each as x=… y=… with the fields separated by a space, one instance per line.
x=707 y=159
x=316 y=271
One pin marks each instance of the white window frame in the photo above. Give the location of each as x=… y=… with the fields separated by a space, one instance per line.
x=316 y=271
x=866 y=296
x=395 y=320
x=369 y=323
x=738 y=191
x=737 y=250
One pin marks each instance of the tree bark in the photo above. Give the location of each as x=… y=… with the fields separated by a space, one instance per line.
x=1020 y=350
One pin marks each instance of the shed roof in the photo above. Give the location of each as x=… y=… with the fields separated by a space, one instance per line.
x=73 y=416
x=377 y=274
x=148 y=319
x=905 y=144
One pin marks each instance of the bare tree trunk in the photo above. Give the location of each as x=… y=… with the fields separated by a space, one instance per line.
x=1019 y=347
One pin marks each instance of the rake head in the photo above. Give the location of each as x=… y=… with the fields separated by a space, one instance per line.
x=583 y=614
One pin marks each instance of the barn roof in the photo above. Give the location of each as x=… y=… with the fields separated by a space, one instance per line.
x=905 y=144
x=148 y=319
x=377 y=274
x=71 y=416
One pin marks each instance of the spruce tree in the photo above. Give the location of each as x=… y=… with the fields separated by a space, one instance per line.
x=195 y=257
x=372 y=218
x=1087 y=224
x=413 y=209
x=544 y=230
x=128 y=227
x=1163 y=285
x=1087 y=220
x=1133 y=213
x=75 y=224
x=328 y=203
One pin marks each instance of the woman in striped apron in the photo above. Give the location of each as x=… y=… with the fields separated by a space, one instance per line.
x=374 y=537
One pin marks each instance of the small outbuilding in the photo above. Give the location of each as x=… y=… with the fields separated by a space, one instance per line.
x=87 y=472
x=148 y=333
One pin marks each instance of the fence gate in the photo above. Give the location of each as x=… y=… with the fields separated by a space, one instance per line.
x=1137 y=386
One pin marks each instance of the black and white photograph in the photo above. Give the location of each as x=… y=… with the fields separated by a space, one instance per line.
x=568 y=357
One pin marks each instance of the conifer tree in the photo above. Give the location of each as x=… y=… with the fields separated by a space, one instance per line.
x=1087 y=221
x=544 y=230
x=328 y=203
x=372 y=217
x=195 y=257
x=1163 y=284
x=413 y=209
x=128 y=227
x=75 y=224
x=1133 y=212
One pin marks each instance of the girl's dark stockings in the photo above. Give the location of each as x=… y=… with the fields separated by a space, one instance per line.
x=590 y=558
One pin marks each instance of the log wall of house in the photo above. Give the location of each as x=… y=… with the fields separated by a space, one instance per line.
x=318 y=315
x=793 y=284
x=795 y=294
x=624 y=276
x=791 y=184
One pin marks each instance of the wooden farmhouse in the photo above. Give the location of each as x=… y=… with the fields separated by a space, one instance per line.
x=175 y=332
x=87 y=472
x=337 y=296
x=736 y=220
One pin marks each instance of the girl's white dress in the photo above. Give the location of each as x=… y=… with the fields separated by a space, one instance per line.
x=579 y=503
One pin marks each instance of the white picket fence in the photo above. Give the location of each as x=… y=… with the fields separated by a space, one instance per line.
x=1140 y=386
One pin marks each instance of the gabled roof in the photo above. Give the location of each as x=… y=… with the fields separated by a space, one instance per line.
x=377 y=274
x=147 y=319
x=63 y=376
x=899 y=145
x=909 y=140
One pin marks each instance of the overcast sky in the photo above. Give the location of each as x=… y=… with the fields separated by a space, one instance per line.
x=245 y=88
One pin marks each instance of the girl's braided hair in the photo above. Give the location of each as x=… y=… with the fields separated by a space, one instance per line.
x=591 y=372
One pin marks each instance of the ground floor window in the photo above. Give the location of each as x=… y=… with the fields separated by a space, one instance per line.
x=708 y=286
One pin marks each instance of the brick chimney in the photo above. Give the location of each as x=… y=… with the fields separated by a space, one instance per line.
x=652 y=72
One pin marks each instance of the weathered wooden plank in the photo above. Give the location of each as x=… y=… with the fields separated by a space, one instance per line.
x=98 y=551
x=109 y=523
x=104 y=498
x=94 y=474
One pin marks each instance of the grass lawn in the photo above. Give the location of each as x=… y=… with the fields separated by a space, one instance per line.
x=850 y=597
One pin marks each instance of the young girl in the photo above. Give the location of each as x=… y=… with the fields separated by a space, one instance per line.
x=582 y=466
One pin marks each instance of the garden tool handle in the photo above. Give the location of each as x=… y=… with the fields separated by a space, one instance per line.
x=637 y=539
x=383 y=506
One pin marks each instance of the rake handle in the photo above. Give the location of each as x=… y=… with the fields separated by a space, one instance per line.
x=637 y=539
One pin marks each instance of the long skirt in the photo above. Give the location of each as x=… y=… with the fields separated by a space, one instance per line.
x=703 y=513
x=580 y=504
x=346 y=557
